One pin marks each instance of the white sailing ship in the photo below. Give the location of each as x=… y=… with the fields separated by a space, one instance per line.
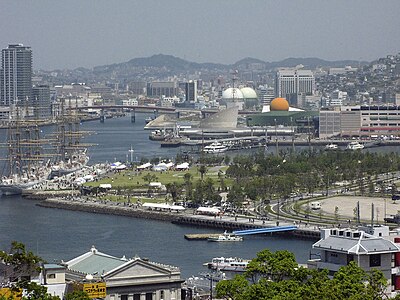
x=26 y=164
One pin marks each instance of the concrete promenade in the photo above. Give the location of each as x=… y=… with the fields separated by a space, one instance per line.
x=223 y=222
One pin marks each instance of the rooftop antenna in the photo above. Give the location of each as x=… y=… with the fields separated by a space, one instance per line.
x=372 y=215
x=234 y=78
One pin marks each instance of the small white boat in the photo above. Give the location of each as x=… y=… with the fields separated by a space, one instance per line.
x=331 y=146
x=215 y=147
x=228 y=264
x=226 y=237
x=354 y=146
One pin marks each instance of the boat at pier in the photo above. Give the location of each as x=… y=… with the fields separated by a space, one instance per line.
x=354 y=146
x=232 y=264
x=215 y=147
x=27 y=164
x=225 y=237
x=331 y=147
x=70 y=154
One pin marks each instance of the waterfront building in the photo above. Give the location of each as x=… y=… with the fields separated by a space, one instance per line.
x=132 y=278
x=41 y=102
x=16 y=75
x=371 y=120
x=289 y=83
x=329 y=123
x=280 y=113
x=338 y=247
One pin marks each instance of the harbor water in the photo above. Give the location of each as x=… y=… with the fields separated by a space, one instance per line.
x=61 y=235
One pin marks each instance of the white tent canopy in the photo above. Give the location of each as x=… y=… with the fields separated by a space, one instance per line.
x=208 y=210
x=144 y=166
x=163 y=206
x=182 y=166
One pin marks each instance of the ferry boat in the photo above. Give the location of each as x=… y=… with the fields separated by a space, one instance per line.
x=226 y=237
x=216 y=147
x=232 y=264
x=354 y=146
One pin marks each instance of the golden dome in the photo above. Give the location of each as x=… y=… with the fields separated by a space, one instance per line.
x=279 y=104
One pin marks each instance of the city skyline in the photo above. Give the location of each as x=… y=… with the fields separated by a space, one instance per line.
x=90 y=33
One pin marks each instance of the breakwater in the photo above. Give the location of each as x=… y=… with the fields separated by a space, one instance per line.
x=132 y=210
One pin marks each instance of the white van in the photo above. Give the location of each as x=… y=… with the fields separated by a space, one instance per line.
x=315 y=205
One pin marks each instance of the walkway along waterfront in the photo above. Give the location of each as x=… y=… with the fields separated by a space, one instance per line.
x=221 y=222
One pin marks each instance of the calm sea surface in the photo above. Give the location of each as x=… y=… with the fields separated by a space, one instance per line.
x=61 y=234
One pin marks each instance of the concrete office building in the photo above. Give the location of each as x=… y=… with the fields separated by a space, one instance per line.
x=290 y=83
x=41 y=101
x=16 y=75
x=162 y=88
x=191 y=91
x=329 y=123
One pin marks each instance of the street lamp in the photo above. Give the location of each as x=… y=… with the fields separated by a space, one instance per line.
x=276 y=138
x=131 y=152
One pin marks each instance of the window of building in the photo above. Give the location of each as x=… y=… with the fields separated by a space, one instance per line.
x=136 y=296
x=350 y=258
x=375 y=260
x=149 y=296
x=162 y=295
x=51 y=276
x=124 y=297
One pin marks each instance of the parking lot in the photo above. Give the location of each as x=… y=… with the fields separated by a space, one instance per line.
x=346 y=207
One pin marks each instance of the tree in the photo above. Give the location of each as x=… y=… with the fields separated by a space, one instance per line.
x=272 y=266
x=174 y=189
x=188 y=185
x=77 y=295
x=20 y=262
x=150 y=178
x=20 y=265
x=279 y=278
x=202 y=170
x=236 y=196
x=232 y=289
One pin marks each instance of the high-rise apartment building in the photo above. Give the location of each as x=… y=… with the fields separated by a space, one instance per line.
x=290 y=83
x=41 y=101
x=16 y=75
x=191 y=91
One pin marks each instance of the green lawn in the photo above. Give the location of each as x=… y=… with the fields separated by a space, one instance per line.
x=129 y=179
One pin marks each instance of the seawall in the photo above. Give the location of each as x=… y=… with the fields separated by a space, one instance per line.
x=225 y=223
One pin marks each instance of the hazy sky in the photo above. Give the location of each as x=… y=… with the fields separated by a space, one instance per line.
x=73 y=33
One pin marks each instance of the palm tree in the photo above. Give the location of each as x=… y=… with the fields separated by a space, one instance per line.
x=202 y=170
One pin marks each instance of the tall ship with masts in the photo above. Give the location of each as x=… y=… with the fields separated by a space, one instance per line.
x=71 y=154
x=25 y=164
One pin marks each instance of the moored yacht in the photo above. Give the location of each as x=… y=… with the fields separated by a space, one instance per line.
x=331 y=146
x=354 y=146
x=215 y=147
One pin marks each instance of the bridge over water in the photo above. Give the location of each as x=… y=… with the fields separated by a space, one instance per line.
x=265 y=230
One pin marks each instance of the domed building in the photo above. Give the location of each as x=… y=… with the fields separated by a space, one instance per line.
x=232 y=94
x=279 y=104
x=279 y=112
x=249 y=93
x=243 y=98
